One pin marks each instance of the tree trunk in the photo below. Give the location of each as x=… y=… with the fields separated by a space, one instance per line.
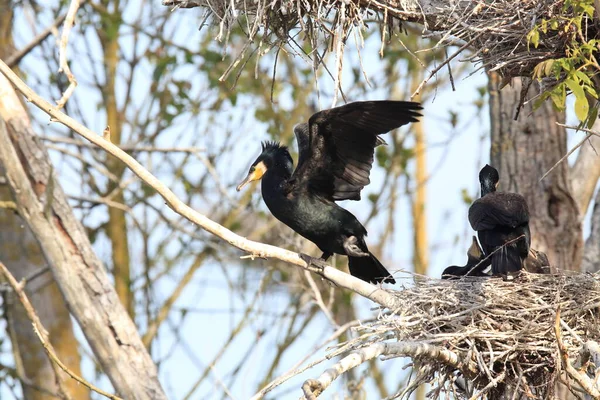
x=80 y=275
x=23 y=257
x=116 y=227
x=523 y=150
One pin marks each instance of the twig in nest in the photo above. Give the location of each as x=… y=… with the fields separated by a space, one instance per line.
x=492 y=253
x=586 y=383
x=446 y=61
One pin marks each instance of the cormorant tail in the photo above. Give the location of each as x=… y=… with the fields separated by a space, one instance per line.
x=369 y=269
x=506 y=260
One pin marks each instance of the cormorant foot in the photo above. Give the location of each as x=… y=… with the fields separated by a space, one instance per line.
x=352 y=248
x=326 y=255
x=312 y=261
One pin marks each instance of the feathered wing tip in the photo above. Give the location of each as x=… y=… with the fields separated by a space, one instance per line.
x=505 y=261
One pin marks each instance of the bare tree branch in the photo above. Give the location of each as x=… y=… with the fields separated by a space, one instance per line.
x=64 y=64
x=314 y=387
x=15 y=58
x=591 y=387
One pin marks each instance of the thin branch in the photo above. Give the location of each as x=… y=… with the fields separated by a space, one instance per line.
x=128 y=148
x=15 y=58
x=578 y=145
x=314 y=387
x=319 y=299
x=43 y=336
x=64 y=65
x=446 y=61
x=296 y=369
x=256 y=249
x=493 y=383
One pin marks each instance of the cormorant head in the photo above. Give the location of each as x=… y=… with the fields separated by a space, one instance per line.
x=273 y=156
x=488 y=178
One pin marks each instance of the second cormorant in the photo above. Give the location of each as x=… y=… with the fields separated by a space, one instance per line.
x=335 y=155
x=502 y=224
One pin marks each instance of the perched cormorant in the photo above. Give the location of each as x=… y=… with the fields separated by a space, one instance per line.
x=476 y=264
x=502 y=224
x=335 y=155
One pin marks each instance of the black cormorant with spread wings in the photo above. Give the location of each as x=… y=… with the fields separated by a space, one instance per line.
x=502 y=224
x=335 y=155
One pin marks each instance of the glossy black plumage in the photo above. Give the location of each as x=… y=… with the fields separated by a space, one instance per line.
x=475 y=266
x=336 y=149
x=502 y=224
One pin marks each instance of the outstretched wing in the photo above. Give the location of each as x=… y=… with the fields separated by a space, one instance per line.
x=302 y=137
x=498 y=209
x=336 y=147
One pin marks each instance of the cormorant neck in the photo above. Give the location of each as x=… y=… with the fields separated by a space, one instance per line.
x=278 y=172
x=487 y=186
x=281 y=165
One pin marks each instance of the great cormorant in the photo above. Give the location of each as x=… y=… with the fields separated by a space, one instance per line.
x=502 y=224
x=335 y=155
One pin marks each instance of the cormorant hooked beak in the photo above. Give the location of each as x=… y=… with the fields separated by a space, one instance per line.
x=256 y=172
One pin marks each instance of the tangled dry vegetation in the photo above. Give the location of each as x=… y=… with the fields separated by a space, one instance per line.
x=496 y=32
x=487 y=338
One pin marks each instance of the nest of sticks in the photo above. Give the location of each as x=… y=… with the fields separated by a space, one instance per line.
x=494 y=31
x=481 y=337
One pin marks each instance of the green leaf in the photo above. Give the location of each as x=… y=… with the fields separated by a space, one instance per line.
x=581 y=108
x=534 y=37
x=537 y=70
x=593 y=115
x=583 y=77
x=558 y=96
x=591 y=91
x=541 y=100
x=548 y=67
x=576 y=89
x=587 y=9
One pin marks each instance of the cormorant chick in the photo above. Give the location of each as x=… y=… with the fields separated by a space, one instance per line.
x=476 y=264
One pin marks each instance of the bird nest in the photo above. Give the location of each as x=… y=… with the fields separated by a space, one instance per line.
x=495 y=31
x=477 y=337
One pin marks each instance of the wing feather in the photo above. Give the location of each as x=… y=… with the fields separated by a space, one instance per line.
x=303 y=139
x=498 y=209
x=337 y=146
